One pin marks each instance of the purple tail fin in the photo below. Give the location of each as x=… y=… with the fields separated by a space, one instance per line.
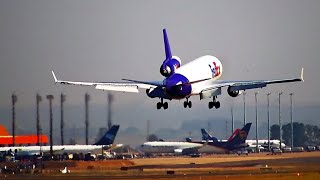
x=166 y=45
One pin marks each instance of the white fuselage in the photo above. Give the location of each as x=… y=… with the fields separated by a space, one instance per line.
x=168 y=147
x=253 y=143
x=199 y=69
x=30 y=150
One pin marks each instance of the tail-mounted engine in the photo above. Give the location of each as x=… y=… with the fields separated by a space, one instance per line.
x=171 y=63
x=233 y=93
x=169 y=66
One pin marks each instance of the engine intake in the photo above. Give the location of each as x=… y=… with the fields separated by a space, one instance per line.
x=169 y=66
x=233 y=93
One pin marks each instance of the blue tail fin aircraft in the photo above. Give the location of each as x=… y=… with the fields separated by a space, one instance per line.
x=106 y=142
x=109 y=136
x=199 y=77
x=236 y=141
x=207 y=137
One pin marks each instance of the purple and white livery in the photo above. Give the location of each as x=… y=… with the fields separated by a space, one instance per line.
x=198 y=77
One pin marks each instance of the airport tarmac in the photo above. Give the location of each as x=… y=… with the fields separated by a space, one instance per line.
x=305 y=165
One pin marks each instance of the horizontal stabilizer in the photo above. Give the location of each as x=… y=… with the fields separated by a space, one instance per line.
x=248 y=86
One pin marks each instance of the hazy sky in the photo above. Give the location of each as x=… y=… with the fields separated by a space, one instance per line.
x=111 y=40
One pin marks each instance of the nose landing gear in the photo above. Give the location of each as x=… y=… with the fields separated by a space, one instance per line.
x=214 y=103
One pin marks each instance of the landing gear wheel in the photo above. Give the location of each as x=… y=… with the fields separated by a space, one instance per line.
x=159 y=105
x=214 y=103
x=217 y=105
x=210 y=105
x=185 y=104
x=189 y=104
x=165 y=105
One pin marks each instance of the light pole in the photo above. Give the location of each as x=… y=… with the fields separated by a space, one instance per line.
x=232 y=120
x=244 y=108
x=257 y=138
x=50 y=98
x=41 y=154
x=110 y=100
x=14 y=100
x=87 y=98
x=268 y=94
x=291 y=94
x=62 y=100
x=280 y=136
x=38 y=100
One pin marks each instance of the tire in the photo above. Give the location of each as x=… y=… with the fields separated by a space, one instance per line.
x=217 y=105
x=190 y=104
x=159 y=105
x=185 y=104
x=165 y=105
x=210 y=105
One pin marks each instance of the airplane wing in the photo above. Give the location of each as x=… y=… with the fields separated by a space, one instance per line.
x=112 y=147
x=130 y=86
x=244 y=85
x=189 y=150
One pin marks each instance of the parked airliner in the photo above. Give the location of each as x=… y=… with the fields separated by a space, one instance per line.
x=199 y=77
x=237 y=141
x=262 y=144
x=178 y=148
x=106 y=142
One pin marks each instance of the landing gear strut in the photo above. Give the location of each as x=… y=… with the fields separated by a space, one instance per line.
x=187 y=103
x=162 y=104
x=214 y=103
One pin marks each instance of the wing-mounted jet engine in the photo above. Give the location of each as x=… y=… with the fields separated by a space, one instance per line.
x=233 y=93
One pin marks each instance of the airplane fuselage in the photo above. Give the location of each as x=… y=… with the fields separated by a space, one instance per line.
x=30 y=150
x=190 y=78
x=168 y=147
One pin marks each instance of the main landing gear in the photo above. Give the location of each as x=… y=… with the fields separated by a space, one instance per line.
x=214 y=103
x=187 y=103
x=162 y=104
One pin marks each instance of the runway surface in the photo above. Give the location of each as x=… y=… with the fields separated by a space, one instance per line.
x=304 y=165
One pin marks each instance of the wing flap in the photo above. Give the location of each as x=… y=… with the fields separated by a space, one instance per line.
x=210 y=92
x=118 y=87
x=244 y=86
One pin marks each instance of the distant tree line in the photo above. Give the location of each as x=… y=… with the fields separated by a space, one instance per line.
x=302 y=134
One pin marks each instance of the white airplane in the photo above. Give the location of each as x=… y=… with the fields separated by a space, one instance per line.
x=264 y=143
x=178 y=148
x=237 y=141
x=196 y=78
x=106 y=142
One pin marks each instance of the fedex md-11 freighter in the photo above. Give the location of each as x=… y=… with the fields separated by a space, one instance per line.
x=199 y=77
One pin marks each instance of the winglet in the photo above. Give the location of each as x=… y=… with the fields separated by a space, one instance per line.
x=301 y=76
x=54 y=76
